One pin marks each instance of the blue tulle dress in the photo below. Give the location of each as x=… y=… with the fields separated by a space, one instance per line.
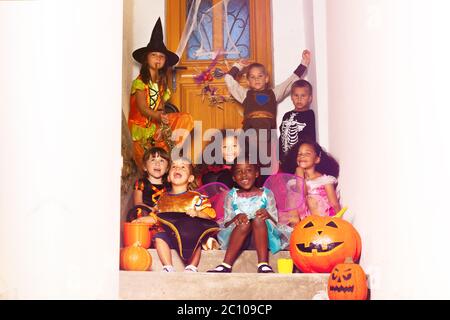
x=248 y=203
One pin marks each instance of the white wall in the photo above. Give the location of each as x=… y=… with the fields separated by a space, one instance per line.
x=388 y=83
x=299 y=25
x=60 y=89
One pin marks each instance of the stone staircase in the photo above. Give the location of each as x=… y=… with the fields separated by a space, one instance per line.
x=242 y=284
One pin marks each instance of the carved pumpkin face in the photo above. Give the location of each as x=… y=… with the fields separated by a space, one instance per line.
x=347 y=281
x=135 y=258
x=319 y=243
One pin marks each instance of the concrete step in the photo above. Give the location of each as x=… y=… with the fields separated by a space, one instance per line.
x=212 y=286
x=246 y=263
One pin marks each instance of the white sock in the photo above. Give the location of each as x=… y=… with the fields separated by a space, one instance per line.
x=168 y=268
x=191 y=268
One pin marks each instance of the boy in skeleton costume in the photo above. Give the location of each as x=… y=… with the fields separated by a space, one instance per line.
x=297 y=124
x=260 y=101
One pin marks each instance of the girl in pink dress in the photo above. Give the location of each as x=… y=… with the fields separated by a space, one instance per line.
x=320 y=171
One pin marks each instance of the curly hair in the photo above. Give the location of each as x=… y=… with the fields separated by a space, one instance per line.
x=328 y=164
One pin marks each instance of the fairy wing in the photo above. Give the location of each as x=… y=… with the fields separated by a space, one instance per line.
x=289 y=196
x=216 y=192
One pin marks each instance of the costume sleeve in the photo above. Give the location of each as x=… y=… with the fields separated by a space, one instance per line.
x=137 y=84
x=311 y=125
x=203 y=204
x=229 y=208
x=284 y=89
x=236 y=90
x=326 y=179
x=271 y=206
x=139 y=185
x=167 y=94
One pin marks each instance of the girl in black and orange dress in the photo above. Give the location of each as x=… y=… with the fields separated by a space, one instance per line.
x=149 y=189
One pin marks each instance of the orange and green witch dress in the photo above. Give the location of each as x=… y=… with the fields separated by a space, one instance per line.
x=143 y=129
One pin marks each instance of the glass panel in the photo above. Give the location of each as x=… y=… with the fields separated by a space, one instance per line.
x=237 y=36
x=201 y=37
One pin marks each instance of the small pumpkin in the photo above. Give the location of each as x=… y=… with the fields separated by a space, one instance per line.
x=135 y=258
x=318 y=243
x=347 y=281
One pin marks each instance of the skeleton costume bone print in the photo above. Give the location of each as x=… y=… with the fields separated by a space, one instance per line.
x=296 y=126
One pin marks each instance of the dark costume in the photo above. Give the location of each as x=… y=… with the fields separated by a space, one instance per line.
x=296 y=126
x=150 y=196
x=217 y=173
x=187 y=232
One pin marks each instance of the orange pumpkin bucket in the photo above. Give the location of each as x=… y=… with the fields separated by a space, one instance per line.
x=137 y=232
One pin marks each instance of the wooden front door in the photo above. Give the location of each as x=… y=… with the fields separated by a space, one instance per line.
x=248 y=28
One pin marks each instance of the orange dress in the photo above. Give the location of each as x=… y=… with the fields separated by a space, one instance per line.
x=143 y=129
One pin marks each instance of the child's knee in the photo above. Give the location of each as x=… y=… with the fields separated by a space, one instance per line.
x=159 y=243
x=258 y=223
x=243 y=228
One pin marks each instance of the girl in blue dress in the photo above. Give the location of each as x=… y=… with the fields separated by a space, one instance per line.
x=250 y=212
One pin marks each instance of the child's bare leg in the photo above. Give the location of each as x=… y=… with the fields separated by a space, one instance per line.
x=237 y=239
x=163 y=250
x=195 y=259
x=260 y=238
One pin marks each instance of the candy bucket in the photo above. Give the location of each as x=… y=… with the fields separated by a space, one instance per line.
x=137 y=232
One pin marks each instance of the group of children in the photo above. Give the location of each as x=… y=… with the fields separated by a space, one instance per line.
x=250 y=209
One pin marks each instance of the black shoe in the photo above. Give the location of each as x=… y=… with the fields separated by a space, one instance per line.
x=265 y=268
x=220 y=269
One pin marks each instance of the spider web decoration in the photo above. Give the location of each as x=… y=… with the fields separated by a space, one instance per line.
x=231 y=15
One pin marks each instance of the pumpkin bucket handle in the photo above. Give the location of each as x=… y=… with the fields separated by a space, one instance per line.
x=341 y=213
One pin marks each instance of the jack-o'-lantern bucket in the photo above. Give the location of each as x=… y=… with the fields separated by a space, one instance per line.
x=137 y=232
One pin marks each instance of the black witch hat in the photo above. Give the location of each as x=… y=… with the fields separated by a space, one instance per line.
x=156 y=44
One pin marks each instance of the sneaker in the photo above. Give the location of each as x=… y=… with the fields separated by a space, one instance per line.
x=265 y=268
x=168 y=269
x=190 y=268
x=221 y=268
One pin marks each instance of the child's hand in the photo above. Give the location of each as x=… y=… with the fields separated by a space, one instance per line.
x=147 y=219
x=241 y=218
x=244 y=62
x=160 y=116
x=306 y=57
x=262 y=214
x=192 y=213
x=299 y=172
x=164 y=118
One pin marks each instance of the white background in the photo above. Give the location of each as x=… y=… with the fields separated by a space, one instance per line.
x=381 y=75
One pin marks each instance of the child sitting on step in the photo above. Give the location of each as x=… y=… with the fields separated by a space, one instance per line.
x=250 y=212
x=186 y=217
x=148 y=189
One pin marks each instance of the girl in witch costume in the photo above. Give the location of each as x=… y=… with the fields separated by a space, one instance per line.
x=148 y=124
x=186 y=217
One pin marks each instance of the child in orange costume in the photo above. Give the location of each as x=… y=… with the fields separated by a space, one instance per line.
x=149 y=92
x=186 y=217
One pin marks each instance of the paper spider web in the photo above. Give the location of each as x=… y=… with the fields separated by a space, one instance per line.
x=198 y=24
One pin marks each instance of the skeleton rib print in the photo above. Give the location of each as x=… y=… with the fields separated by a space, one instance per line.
x=289 y=132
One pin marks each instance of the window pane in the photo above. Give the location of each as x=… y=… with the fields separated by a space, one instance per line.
x=238 y=39
x=201 y=38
